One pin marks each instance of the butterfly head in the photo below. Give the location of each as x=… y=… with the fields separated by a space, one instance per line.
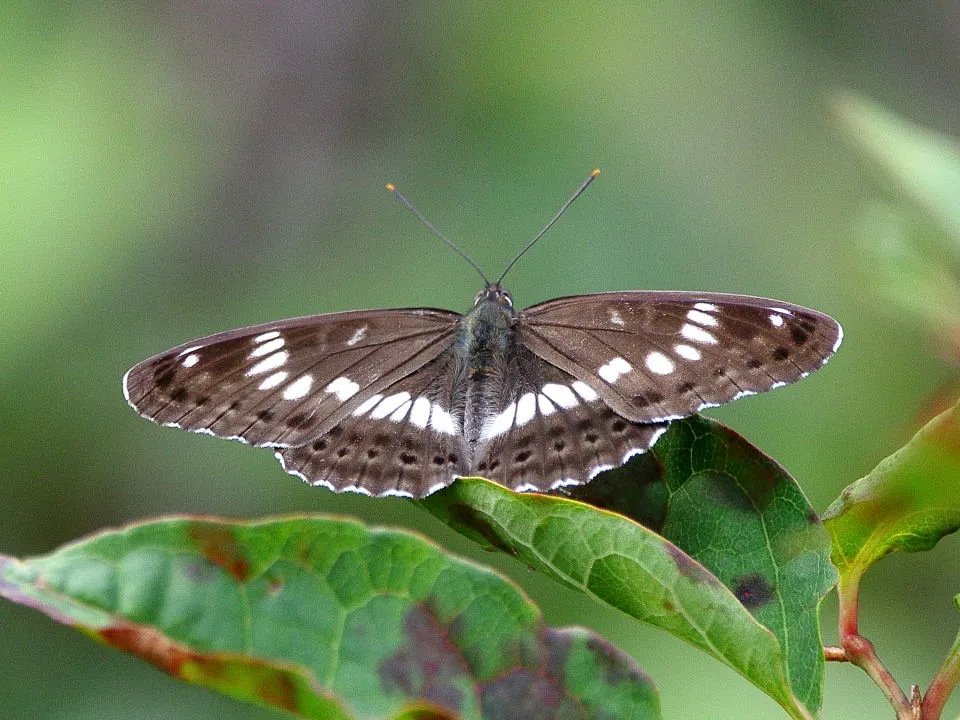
x=494 y=294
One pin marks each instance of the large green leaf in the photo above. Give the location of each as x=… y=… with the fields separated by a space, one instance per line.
x=908 y=502
x=738 y=568
x=325 y=618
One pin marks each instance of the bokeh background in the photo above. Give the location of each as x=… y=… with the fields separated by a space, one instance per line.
x=171 y=169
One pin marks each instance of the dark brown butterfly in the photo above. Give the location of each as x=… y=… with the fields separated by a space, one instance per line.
x=402 y=402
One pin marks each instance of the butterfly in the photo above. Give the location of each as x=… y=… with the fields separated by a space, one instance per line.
x=404 y=401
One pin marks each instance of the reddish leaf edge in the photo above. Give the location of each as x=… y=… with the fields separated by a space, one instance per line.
x=282 y=686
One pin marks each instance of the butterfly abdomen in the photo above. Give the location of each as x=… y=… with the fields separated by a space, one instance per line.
x=488 y=341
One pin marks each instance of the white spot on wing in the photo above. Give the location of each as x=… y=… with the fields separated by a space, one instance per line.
x=705 y=307
x=545 y=406
x=781 y=310
x=612 y=371
x=442 y=422
x=659 y=363
x=266 y=336
x=561 y=395
x=272 y=362
x=744 y=393
x=420 y=412
x=698 y=334
x=268 y=347
x=343 y=387
x=776 y=320
x=189 y=350
x=526 y=409
x=401 y=412
x=271 y=381
x=499 y=423
x=688 y=352
x=367 y=405
x=584 y=391
x=702 y=318
x=389 y=404
x=615 y=318
x=299 y=388
x=357 y=336
x=190 y=360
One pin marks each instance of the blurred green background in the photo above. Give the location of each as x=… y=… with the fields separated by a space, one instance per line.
x=172 y=169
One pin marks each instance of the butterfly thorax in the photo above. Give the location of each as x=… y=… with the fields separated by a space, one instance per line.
x=483 y=351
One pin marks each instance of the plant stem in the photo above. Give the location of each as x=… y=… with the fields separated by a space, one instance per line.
x=834 y=654
x=943 y=684
x=860 y=651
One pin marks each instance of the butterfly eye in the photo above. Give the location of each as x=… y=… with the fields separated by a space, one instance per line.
x=495 y=294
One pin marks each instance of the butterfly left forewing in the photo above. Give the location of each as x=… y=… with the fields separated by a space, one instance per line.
x=284 y=382
x=656 y=356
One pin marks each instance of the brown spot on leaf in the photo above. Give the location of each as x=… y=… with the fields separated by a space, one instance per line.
x=427 y=666
x=472 y=519
x=218 y=545
x=150 y=645
x=753 y=591
x=279 y=691
x=618 y=668
x=944 y=432
x=688 y=567
x=525 y=693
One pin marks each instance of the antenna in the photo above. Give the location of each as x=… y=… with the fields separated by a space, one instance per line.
x=556 y=217
x=397 y=194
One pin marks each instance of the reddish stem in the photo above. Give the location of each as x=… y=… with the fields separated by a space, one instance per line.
x=861 y=652
x=943 y=684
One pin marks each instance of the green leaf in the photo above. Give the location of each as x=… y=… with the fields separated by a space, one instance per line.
x=908 y=502
x=325 y=618
x=733 y=524
x=911 y=239
x=921 y=163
